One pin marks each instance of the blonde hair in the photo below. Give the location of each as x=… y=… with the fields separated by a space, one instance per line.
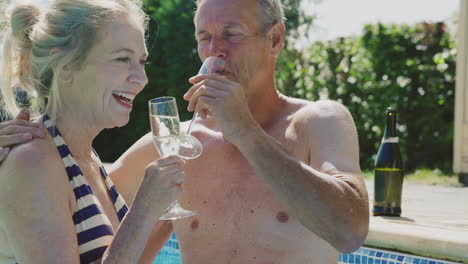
x=37 y=46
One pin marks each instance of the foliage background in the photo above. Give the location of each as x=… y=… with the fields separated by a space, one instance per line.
x=409 y=67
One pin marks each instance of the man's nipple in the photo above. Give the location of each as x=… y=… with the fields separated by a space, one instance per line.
x=194 y=224
x=282 y=217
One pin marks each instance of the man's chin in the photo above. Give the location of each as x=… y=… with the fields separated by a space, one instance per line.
x=231 y=77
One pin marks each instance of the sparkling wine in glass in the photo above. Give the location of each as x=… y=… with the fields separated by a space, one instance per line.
x=165 y=127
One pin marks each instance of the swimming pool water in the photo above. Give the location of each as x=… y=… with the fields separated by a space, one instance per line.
x=170 y=255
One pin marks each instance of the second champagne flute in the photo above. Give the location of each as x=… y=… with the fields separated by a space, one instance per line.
x=165 y=127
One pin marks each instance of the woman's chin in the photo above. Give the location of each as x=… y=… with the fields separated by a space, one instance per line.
x=120 y=122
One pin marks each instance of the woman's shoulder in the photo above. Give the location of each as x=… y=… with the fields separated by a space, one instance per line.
x=39 y=153
x=36 y=199
x=31 y=168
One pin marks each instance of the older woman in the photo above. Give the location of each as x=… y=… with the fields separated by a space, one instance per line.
x=76 y=60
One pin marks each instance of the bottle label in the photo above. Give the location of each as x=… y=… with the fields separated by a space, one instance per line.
x=387 y=187
x=390 y=140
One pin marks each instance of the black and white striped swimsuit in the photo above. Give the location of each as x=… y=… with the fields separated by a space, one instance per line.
x=93 y=228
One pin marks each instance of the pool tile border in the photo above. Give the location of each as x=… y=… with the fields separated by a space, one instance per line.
x=366 y=255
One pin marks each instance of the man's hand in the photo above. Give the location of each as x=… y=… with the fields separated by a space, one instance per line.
x=222 y=98
x=18 y=131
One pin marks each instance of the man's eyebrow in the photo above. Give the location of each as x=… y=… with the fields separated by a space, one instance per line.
x=200 y=32
x=232 y=25
x=127 y=50
x=225 y=26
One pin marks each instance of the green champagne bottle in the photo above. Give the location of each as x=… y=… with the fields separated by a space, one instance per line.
x=388 y=174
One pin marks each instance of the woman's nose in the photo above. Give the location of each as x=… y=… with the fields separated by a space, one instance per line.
x=138 y=76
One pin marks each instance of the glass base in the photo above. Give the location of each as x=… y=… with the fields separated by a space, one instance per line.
x=386 y=211
x=189 y=147
x=175 y=211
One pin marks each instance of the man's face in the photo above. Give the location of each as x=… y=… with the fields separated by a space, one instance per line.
x=231 y=29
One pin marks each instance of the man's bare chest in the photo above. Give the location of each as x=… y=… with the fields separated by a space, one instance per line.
x=227 y=191
x=236 y=212
x=223 y=172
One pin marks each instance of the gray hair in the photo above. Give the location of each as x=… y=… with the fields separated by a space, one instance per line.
x=271 y=12
x=71 y=27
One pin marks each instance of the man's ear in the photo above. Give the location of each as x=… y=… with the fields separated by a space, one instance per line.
x=276 y=37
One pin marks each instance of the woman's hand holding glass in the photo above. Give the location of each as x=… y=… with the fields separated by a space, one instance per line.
x=161 y=184
x=165 y=127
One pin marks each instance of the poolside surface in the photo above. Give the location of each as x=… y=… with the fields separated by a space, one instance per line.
x=433 y=223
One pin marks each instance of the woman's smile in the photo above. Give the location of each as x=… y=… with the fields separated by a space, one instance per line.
x=124 y=99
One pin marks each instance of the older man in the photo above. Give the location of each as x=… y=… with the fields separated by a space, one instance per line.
x=279 y=180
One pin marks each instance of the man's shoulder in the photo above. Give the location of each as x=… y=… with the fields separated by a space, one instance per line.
x=321 y=110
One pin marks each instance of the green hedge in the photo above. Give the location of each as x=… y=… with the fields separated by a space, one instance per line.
x=409 y=67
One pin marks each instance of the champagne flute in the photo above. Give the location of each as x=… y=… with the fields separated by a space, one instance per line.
x=165 y=127
x=211 y=65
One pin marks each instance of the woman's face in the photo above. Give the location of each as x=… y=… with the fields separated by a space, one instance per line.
x=113 y=74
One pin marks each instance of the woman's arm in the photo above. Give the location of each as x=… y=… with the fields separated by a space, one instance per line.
x=159 y=188
x=126 y=173
x=160 y=234
x=36 y=215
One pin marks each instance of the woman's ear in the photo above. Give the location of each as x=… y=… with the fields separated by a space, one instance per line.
x=65 y=73
x=276 y=37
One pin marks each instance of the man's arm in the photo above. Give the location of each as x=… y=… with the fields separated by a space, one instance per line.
x=128 y=170
x=327 y=194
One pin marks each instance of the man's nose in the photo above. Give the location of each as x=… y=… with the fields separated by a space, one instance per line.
x=217 y=48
